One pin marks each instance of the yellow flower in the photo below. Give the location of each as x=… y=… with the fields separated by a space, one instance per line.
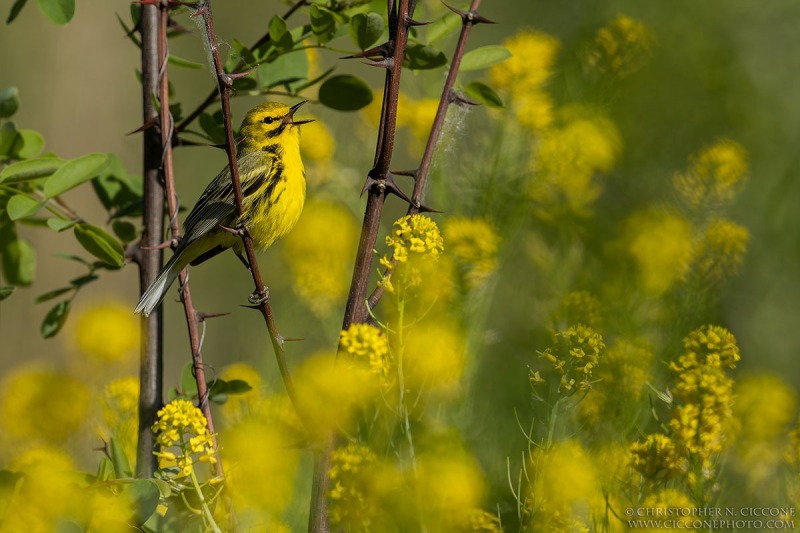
x=366 y=342
x=482 y=521
x=474 y=244
x=712 y=346
x=660 y=244
x=574 y=357
x=320 y=259
x=180 y=424
x=434 y=357
x=765 y=405
x=620 y=48
x=584 y=143
x=715 y=175
x=352 y=467
x=657 y=457
x=42 y=405
x=534 y=110
x=413 y=237
x=663 y=501
x=107 y=331
x=449 y=483
x=240 y=406
x=721 y=250
x=119 y=403
x=530 y=65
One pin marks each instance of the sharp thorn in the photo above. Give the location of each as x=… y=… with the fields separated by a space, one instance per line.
x=237 y=75
x=377 y=51
x=202 y=316
x=459 y=98
x=292 y=339
x=146 y=126
x=412 y=22
x=392 y=187
x=425 y=209
x=368 y=184
x=172 y=243
x=386 y=63
x=412 y=173
x=254 y=307
x=469 y=17
x=202 y=11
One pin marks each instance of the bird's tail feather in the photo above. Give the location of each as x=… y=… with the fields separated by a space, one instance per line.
x=156 y=291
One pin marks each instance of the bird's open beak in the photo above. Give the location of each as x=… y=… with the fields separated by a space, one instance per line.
x=290 y=117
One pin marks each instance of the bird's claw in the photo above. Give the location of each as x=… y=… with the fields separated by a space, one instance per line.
x=259 y=297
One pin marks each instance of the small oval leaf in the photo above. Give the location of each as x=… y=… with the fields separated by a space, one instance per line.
x=55 y=318
x=345 y=93
x=482 y=93
x=75 y=172
x=483 y=57
x=59 y=224
x=124 y=230
x=58 y=11
x=32 y=144
x=9 y=101
x=19 y=260
x=422 y=57
x=52 y=294
x=15 y=9
x=100 y=244
x=21 y=206
x=442 y=27
x=30 y=170
x=323 y=23
x=365 y=29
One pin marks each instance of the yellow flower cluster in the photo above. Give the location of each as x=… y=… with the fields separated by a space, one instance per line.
x=524 y=75
x=579 y=307
x=484 y=522
x=620 y=48
x=474 y=244
x=320 y=260
x=178 y=421
x=574 y=357
x=118 y=400
x=413 y=237
x=721 y=250
x=701 y=419
x=714 y=177
x=582 y=143
x=349 y=475
x=368 y=343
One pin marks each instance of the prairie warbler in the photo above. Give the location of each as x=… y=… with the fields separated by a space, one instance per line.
x=273 y=186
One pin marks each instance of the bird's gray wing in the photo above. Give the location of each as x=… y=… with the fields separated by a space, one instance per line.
x=217 y=204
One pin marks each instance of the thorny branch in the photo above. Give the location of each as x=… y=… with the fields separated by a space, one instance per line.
x=225 y=82
x=192 y=316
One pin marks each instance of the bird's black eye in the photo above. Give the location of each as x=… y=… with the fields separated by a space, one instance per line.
x=268 y=120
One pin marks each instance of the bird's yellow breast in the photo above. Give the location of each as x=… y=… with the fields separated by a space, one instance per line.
x=275 y=212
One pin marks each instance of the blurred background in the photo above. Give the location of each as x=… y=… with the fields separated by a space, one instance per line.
x=714 y=70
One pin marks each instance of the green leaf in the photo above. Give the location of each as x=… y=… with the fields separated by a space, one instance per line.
x=55 y=318
x=52 y=294
x=30 y=170
x=323 y=23
x=279 y=33
x=124 y=230
x=60 y=224
x=9 y=101
x=73 y=257
x=32 y=144
x=442 y=27
x=345 y=93
x=83 y=280
x=122 y=467
x=290 y=69
x=58 y=11
x=365 y=29
x=21 y=206
x=423 y=57
x=480 y=92
x=212 y=125
x=185 y=63
x=114 y=188
x=75 y=172
x=188 y=381
x=10 y=139
x=144 y=494
x=15 y=10
x=100 y=244
x=19 y=259
x=221 y=387
x=5 y=292
x=483 y=57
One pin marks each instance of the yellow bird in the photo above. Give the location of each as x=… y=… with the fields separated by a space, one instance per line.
x=273 y=184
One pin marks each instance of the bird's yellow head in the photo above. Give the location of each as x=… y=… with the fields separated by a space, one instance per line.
x=270 y=125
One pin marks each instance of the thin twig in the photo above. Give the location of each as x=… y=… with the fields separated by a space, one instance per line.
x=175 y=230
x=212 y=96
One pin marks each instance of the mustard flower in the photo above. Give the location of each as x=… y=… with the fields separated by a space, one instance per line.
x=119 y=401
x=484 y=522
x=350 y=473
x=180 y=424
x=657 y=456
x=715 y=175
x=530 y=65
x=474 y=244
x=712 y=346
x=574 y=357
x=107 y=332
x=412 y=237
x=368 y=343
x=721 y=250
x=620 y=48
